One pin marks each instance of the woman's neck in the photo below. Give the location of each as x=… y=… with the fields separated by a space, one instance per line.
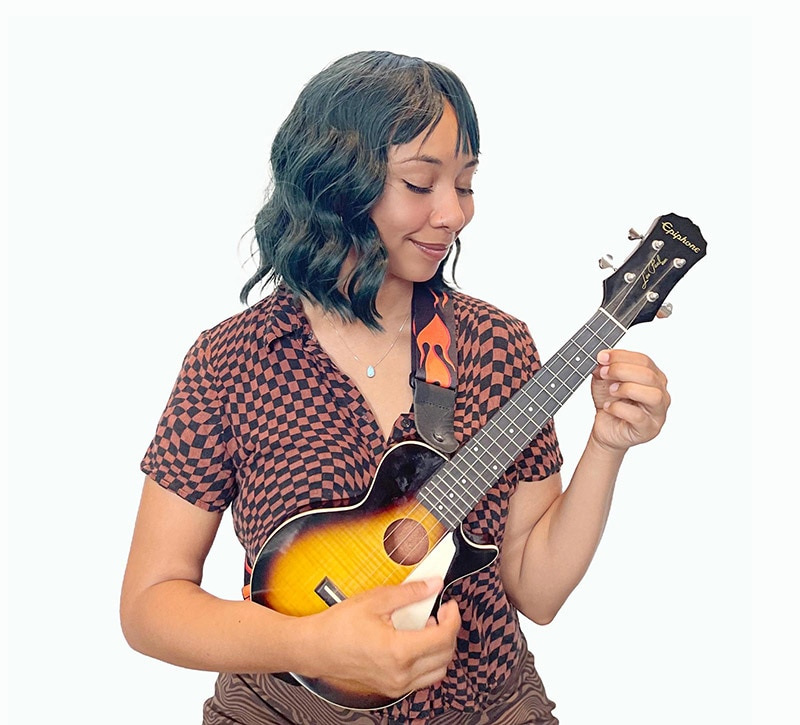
x=393 y=303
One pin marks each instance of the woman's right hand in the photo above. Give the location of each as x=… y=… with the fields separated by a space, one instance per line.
x=166 y=614
x=355 y=646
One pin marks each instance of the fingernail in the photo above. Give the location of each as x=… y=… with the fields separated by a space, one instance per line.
x=613 y=387
x=604 y=371
x=603 y=357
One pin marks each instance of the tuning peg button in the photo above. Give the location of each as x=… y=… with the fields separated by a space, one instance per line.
x=633 y=234
x=664 y=311
x=606 y=262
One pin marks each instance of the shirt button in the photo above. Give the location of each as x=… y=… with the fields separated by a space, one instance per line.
x=406 y=423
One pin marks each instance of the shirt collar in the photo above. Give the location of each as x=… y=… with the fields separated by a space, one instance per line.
x=282 y=316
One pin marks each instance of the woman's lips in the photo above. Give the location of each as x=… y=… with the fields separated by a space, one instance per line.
x=437 y=251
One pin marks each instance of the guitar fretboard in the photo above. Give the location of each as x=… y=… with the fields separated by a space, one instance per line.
x=456 y=487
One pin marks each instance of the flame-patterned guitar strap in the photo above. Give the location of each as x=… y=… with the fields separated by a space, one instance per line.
x=433 y=366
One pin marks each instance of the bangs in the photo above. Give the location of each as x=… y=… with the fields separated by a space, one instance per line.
x=425 y=107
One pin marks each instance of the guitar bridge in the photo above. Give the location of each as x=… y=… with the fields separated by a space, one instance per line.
x=329 y=593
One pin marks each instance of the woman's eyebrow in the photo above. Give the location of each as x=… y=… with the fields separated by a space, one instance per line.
x=434 y=160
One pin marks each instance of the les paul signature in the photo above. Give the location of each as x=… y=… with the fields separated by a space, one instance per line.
x=408 y=526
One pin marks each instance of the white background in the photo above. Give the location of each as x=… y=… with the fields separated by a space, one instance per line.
x=137 y=160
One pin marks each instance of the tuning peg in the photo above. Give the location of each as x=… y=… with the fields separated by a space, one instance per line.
x=664 y=311
x=606 y=262
x=633 y=234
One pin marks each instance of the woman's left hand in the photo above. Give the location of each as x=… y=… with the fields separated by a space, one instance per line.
x=631 y=398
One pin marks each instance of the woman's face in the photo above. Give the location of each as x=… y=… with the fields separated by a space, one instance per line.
x=426 y=201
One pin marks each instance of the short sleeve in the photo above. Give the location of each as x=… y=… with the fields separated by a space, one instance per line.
x=542 y=458
x=189 y=452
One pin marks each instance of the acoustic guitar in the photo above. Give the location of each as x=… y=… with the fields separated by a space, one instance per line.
x=408 y=525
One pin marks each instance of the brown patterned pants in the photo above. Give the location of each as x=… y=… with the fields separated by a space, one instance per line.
x=265 y=700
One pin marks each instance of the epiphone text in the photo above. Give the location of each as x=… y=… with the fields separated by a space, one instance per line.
x=675 y=234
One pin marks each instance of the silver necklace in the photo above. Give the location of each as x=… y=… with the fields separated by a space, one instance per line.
x=370 y=368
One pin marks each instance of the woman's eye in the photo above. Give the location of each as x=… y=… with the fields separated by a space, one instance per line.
x=460 y=190
x=418 y=189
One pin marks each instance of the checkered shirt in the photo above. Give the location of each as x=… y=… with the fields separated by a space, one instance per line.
x=261 y=420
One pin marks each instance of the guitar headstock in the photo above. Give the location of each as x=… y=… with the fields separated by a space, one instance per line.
x=638 y=288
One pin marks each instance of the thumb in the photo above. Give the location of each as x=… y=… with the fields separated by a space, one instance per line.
x=392 y=598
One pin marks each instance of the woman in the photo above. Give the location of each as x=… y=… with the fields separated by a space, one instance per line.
x=289 y=405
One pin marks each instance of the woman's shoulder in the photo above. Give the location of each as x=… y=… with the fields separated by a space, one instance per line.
x=479 y=313
x=258 y=325
x=491 y=340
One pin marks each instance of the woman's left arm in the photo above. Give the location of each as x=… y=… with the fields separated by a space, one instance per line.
x=551 y=535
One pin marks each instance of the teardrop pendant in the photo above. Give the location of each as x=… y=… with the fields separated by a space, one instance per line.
x=370 y=368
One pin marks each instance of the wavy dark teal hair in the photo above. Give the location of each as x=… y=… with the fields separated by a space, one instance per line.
x=329 y=164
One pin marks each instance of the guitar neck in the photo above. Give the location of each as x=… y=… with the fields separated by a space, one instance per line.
x=457 y=486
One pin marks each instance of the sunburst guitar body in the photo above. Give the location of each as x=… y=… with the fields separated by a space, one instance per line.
x=322 y=557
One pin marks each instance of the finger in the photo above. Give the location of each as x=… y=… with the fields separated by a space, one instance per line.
x=640 y=425
x=388 y=599
x=440 y=631
x=652 y=398
x=449 y=618
x=434 y=646
x=613 y=356
x=432 y=675
x=632 y=373
x=616 y=355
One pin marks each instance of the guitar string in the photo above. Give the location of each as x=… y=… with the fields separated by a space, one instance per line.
x=617 y=300
x=556 y=375
x=427 y=514
x=625 y=292
x=528 y=402
x=567 y=364
x=517 y=403
x=458 y=489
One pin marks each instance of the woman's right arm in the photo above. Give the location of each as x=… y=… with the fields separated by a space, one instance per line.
x=166 y=614
x=163 y=610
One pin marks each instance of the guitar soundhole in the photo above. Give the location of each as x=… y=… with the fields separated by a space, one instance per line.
x=406 y=542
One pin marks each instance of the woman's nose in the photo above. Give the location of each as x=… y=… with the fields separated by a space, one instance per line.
x=448 y=211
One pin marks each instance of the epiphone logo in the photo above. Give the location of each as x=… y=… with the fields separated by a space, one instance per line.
x=675 y=234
